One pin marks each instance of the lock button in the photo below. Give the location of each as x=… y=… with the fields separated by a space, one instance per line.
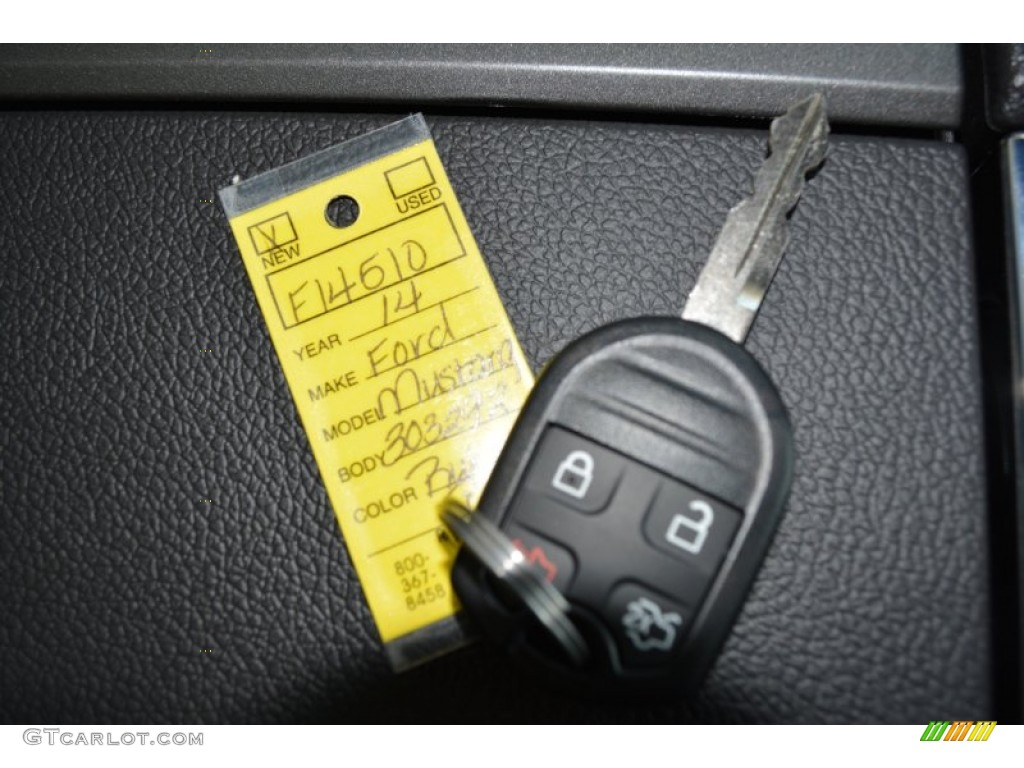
x=574 y=475
x=574 y=471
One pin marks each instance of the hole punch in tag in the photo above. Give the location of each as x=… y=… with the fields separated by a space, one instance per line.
x=399 y=355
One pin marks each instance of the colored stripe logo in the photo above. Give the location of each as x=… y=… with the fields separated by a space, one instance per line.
x=958 y=730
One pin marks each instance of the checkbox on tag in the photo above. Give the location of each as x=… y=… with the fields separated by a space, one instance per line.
x=271 y=234
x=409 y=178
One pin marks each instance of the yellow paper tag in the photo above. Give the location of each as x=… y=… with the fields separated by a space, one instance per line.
x=402 y=363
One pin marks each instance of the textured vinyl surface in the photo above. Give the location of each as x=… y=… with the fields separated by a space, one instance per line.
x=874 y=84
x=117 y=272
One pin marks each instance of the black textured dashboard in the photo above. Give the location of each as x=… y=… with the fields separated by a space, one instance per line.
x=118 y=270
x=876 y=84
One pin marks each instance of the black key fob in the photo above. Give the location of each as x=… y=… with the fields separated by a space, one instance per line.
x=644 y=480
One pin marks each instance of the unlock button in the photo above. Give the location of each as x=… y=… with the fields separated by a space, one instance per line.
x=574 y=471
x=691 y=526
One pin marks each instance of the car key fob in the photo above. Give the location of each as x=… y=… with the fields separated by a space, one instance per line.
x=640 y=488
x=645 y=478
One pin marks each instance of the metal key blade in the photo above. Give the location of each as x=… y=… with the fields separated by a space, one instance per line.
x=749 y=248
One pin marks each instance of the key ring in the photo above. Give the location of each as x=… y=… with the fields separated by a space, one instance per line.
x=496 y=552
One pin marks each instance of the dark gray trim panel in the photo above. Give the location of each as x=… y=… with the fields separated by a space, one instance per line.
x=905 y=85
x=1004 y=78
